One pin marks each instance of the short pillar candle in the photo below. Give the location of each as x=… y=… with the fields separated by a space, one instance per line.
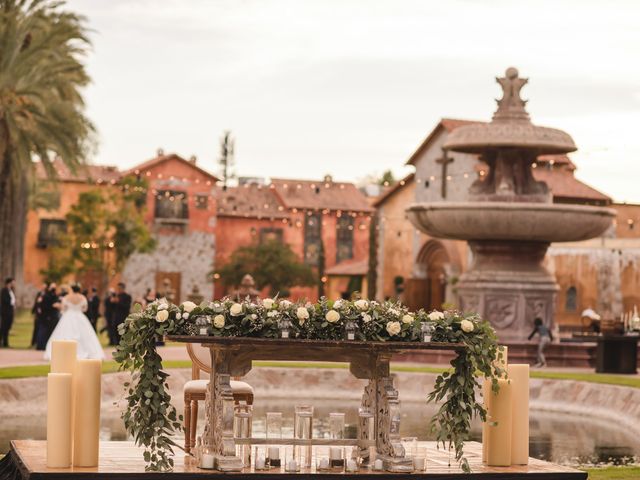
x=499 y=427
x=87 y=413
x=59 y=416
x=519 y=377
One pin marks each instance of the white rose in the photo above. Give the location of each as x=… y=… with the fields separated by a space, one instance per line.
x=162 y=304
x=467 y=326
x=393 y=328
x=268 y=303
x=162 y=316
x=338 y=303
x=285 y=303
x=236 y=309
x=332 y=316
x=407 y=319
x=302 y=314
x=178 y=315
x=435 y=315
x=218 y=321
x=254 y=316
x=366 y=318
x=185 y=315
x=361 y=304
x=188 y=306
x=272 y=314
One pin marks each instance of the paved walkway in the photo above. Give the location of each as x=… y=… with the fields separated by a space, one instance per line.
x=11 y=357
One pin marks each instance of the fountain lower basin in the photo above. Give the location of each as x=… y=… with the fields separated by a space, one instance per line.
x=511 y=221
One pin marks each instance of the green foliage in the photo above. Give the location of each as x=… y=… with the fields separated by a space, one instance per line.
x=387 y=179
x=151 y=419
x=104 y=228
x=271 y=263
x=42 y=71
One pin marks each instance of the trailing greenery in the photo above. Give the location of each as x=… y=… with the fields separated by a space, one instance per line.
x=152 y=420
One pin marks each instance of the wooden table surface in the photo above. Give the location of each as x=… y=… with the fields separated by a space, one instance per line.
x=123 y=460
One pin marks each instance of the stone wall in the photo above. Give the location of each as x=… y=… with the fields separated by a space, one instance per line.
x=190 y=254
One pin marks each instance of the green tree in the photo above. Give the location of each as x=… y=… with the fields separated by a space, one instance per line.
x=104 y=228
x=271 y=263
x=387 y=179
x=41 y=110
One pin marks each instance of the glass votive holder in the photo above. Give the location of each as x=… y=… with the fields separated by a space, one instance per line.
x=273 y=456
x=409 y=444
x=207 y=458
x=322 y=463
x=336 y=425
x=203 y=325
x=291 y=463
x=420 y=459
x=274 y=425
x=426 y=329
x=260 y=458
x=285 y=328
x=350 y=330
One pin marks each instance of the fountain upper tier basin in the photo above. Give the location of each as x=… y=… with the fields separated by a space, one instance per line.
x=534 y=222
x=500 y=134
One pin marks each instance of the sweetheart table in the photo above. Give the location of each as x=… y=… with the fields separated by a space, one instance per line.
x=232 y=357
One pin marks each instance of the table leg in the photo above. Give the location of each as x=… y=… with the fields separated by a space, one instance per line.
x=218 y=432
x=381 y=397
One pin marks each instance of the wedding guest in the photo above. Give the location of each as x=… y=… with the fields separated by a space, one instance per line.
x=545 y=338
x=93 y=307
x=36 y=310
x=121 y=308
x=108 y=315
x=7 y=310
x=50 y=315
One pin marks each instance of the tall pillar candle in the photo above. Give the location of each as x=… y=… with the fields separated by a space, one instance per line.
x=499 y=427
x=502 y=362
x=63 y=356
x=59 y=415
x=519 y=377
x=87 y=413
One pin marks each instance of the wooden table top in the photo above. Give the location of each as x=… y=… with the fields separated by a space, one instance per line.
x=328 y=344
x=123 y=460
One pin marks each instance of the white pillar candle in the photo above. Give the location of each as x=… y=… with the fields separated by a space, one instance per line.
x=419 y=463
x=519 y=377
x=499 y=428
x=207 y=460
x=59 y=415
x=352 y=465
x=63 y=356
x=378 y=465
x=86 y=430
x=486 y=394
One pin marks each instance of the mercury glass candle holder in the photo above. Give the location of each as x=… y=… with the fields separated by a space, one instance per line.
x=336 y=425
x=350 y=329
x=203 y=325
x=427 y=329
x=285 y=328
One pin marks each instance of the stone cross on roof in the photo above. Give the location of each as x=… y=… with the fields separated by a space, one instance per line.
x=511 y=106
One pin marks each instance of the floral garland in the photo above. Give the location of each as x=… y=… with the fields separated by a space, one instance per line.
x=152 y=420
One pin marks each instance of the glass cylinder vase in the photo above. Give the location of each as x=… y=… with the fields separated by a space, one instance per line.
x=242 y=419
x=303 y=430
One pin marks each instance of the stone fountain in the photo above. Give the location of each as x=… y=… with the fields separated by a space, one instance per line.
x=509 y=220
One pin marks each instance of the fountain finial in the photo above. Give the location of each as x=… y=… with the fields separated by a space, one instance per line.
x=511 y=106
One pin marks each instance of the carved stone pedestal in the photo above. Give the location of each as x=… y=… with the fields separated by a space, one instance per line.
x=508 y=285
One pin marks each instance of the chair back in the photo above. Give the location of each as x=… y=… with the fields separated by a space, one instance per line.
x=200 y=358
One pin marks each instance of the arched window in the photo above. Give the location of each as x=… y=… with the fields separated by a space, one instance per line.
x=571 y=300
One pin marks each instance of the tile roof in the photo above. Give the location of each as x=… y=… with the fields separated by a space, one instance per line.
x=349 y=267
x=391 y=190
x=319 y=195
x=84 y=173
x=564 y=186
x=250 y=201
x=164 y=158
x=448 y=124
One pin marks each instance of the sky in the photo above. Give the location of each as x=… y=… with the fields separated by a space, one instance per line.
x=352 y=87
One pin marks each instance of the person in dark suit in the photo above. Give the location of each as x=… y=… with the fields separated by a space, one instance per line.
x=7 y=310
x=93 y=307
x=50 y=309
x=36 y=310
x=109 y=308
x=121 y=307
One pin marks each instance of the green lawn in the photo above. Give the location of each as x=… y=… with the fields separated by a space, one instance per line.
x=22 y=329
x=613 y=473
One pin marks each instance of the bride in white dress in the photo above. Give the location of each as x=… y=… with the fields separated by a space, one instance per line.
x=74 y=325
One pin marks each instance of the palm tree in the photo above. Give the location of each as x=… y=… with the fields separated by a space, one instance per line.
x=41 y=108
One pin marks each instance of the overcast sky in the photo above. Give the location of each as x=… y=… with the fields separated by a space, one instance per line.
x=352 y=87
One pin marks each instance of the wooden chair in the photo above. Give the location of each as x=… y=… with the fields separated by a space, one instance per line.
x=195 y=390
